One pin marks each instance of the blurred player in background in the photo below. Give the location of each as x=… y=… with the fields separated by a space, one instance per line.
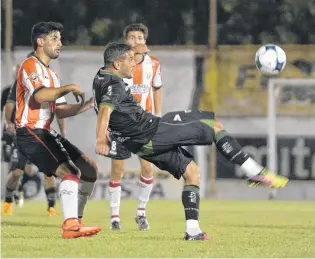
x=20 y=168
x=38 y=88
x=160 y=140
x=146 y=89
x=7 y=138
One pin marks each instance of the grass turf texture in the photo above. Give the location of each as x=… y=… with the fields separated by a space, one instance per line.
x=238 y=229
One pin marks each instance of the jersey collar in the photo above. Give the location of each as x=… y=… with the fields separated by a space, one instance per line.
x=32 y=54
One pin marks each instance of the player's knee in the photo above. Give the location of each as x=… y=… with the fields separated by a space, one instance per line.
x=146 y=171
x=192 y=174
x=17 y=173
x=217 y=127
x=117 y=171
x=88 y=167
x=68 y=168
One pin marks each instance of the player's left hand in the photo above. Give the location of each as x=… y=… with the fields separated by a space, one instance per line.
x=102 y=148
x=140 y=50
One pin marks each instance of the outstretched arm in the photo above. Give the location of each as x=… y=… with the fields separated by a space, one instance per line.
x=69 y=110
x=46 y=94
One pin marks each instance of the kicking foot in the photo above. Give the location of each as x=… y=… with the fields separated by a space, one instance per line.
x=142 y=222
x=268 y=179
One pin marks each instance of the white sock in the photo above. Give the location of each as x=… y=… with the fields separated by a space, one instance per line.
x=84 y=192
x=251 y=168
x=145 y=189
x=68 y=193
x=114 y=200
x=192 y=227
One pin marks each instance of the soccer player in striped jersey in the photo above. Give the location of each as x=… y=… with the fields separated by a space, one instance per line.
x=20 y=168
x=38 y=88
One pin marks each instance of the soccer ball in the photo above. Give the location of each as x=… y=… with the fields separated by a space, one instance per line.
x=270 y=59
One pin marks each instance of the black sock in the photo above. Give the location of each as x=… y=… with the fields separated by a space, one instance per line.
x=9 y=195
x=51 y=197
x=24 y=180
x=191 y=200
x=230 y=148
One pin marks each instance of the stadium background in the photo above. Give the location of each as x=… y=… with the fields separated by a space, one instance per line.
x=199 y=71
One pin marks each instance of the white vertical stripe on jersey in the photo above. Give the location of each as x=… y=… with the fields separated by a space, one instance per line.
x=157 y=78
x=44 y=111
x=27 y=94
x=27 y=82
x=147 y=73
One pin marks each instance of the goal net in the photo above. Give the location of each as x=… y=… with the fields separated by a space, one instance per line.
x=291 y=99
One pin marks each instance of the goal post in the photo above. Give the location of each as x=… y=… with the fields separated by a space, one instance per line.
x=302 y=92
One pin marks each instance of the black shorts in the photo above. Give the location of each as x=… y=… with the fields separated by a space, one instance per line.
x=18 y=161
x=117 y=150
x=45 y=149
x=177 y=129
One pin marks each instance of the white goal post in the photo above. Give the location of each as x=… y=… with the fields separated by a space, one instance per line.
x=274 y=90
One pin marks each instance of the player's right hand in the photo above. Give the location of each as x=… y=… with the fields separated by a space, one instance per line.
x=102 y=148
x=77 y=92
x=140 y=49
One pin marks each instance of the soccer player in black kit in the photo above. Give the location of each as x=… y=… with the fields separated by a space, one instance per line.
x=160 y=140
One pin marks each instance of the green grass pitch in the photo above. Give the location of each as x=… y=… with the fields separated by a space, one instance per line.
x=238 y=229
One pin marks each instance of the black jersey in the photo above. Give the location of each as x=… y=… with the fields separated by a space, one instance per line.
x=4 y=96
x=128 y=121
x=10 y=98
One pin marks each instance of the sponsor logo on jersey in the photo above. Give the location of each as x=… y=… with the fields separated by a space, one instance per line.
x=139 y=89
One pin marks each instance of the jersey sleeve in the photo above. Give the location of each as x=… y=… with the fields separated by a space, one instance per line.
x=157 y=79
x=32 y=76
x=12 y=94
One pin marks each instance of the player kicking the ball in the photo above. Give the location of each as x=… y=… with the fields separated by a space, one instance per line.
x=160 y=140
x=146 y=88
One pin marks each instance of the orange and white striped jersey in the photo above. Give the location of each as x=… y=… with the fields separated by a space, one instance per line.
x=33 y=75
x=145 y=76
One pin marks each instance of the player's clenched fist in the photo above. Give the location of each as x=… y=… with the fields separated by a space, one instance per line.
x=102 y=148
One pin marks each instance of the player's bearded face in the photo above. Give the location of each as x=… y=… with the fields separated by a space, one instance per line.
x=52 y=45
x=128 y=65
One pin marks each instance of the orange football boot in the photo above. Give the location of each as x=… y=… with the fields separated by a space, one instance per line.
x=71 y=228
